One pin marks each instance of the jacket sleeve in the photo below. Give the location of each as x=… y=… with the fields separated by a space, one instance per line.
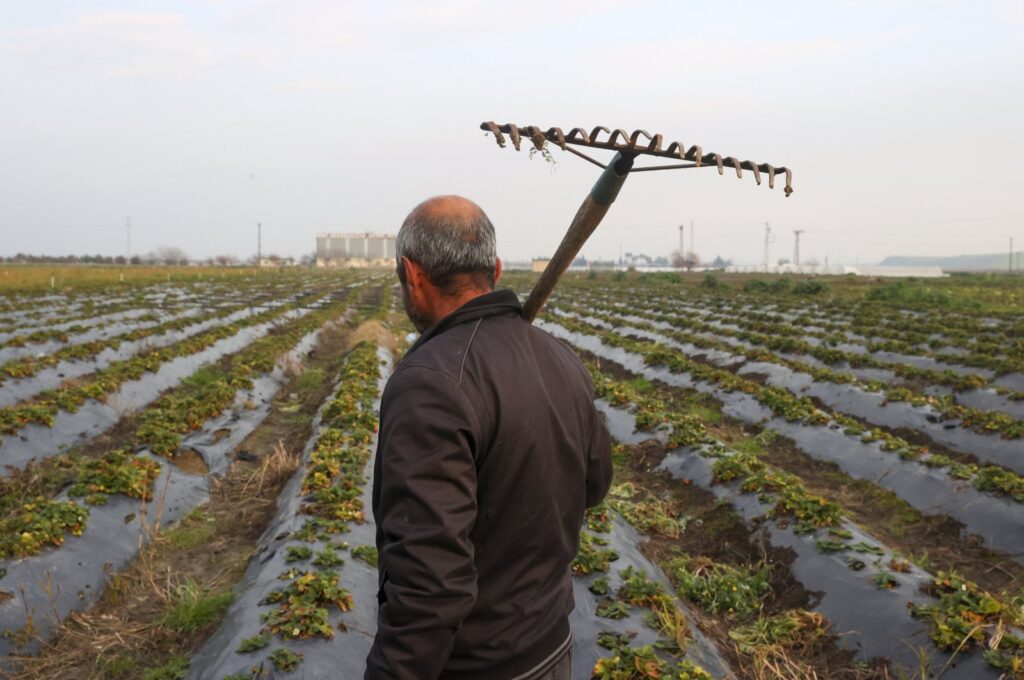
x=599 y=455
x=427 y=509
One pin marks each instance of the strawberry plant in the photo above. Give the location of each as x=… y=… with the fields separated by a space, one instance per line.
x=285 y=660
x=301 y=610
x=38 y=524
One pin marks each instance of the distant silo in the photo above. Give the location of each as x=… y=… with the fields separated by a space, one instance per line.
x=355 y=250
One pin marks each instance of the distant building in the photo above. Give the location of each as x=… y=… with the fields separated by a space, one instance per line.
x=355 y=250
x=839 y=270
x=539 y=264
x=274 y=261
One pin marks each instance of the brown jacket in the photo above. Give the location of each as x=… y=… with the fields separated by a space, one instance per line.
x=490 y=449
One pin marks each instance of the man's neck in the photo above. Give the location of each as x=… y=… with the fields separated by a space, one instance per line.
x=445 y=305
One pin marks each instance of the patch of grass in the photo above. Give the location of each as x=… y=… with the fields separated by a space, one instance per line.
x=194 y=529
x=193 y=608
x=768 y=634
x=721 y=588
x=117 y=667
x=643 y=510
x=204 y=377
x=310 y=380
x=175 y=669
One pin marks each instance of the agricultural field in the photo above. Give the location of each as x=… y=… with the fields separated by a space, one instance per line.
x=814 y=478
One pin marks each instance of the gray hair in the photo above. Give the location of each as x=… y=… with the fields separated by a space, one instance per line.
x=448 y=236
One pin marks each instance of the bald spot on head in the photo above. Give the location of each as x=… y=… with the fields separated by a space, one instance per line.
x=454 y=211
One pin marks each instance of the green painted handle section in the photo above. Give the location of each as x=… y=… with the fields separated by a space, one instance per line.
x=606 y=189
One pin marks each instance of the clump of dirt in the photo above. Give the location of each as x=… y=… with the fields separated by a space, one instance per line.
x=190 y=461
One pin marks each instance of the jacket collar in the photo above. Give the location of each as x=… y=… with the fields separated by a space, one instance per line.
x=489 y=304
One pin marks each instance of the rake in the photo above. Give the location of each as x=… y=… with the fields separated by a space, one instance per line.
x=627 y=148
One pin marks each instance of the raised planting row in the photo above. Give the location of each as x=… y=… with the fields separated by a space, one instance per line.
x=865 y=325
x=825 y=541
x=51 y=323
x=938 y=376
x=210 y=391
x=42 y=409
x=295 y=597
x=28 y=366
x=800 y=409
x=903 y=335
x=995 y=520
x=159 y=429
x=109 y=536
x=762 y=348
x=873 y=409
x=22 y=390
x=627 y=622
x=48 y=321
x=53 y=336
x=776 y=332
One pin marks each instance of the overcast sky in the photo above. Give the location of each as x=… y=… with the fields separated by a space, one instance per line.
x=903 y=121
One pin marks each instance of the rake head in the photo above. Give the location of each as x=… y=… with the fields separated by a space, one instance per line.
x=639 y=143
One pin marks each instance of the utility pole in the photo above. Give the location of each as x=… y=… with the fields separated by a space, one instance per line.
x=259 y=245
x=682 y=240
x=768 y=240
x=693 y=238
x=127 y=240
x=796 y=247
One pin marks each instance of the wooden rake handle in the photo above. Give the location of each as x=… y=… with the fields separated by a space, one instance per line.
x=590 y=214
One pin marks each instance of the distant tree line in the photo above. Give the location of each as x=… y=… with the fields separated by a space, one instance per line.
x=164 y=255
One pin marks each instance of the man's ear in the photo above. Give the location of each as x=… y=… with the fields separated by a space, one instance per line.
x=413 y=272
x=497 y=270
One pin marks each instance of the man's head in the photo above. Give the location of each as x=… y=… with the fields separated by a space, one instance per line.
x=446 y=256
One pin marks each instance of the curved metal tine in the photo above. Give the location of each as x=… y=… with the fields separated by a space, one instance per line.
x=677 y=149
x=733 y=163
x=635 y=137
x=513 y=133
x=771 y=177
x=714 y=157
x=753 y=168
x=695 y=154
x=536 y=136
x=578 y=134
x=789 y=180
x=493 y=128
x=655 y=145
x=618 y=132
x=593 y=133
x=555 y=135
